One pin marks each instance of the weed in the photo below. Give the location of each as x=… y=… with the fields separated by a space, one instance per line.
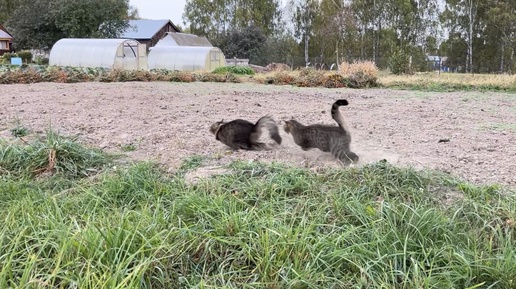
x=53 y=154
x=19 y=130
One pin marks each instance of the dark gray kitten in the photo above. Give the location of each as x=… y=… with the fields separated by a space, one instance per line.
x=243 y=134
x=327 y=138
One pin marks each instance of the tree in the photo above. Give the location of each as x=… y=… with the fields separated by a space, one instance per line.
x=461 y=15
x=304 y=13
x=213 y=18
x=39 y=23
x=7 y=7
x=335 y=28
x=248 y=43
x=33 y=25
x=501 y=19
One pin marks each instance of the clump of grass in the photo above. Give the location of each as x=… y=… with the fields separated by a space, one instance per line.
x=19 y=130
x=241 y=70
x=258 y=226
x=360 y=73
x=53 y=154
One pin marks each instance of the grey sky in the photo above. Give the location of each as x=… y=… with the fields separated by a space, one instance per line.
x=161 y=9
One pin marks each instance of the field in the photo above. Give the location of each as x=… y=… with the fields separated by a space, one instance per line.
x=167 y=122
x=121 y=185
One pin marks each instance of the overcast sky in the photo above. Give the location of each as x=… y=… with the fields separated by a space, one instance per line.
x=161 y=9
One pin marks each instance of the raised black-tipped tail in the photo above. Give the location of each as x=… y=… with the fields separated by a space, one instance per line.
x=335 y=114
x=340 y=102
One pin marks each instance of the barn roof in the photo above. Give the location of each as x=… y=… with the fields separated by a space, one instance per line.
x=145 y=28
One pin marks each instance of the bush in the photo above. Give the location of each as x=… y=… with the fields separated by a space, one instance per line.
x=243 y=70
x=40 y=60
x=309 y=77
x=360 y=73
x=25 y=55
x=6 y=58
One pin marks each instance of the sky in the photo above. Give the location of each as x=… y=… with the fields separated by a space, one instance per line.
x=161 y=9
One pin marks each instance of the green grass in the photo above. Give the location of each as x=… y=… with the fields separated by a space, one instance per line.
x=52 y=153
x=258 y=226
x=241 y=70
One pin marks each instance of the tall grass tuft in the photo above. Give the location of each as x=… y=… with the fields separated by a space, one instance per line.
x=52 y=154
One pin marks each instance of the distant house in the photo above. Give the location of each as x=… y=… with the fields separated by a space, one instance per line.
x=149 y=32
x=437 y=62
x=183 y=39
x=6 y=40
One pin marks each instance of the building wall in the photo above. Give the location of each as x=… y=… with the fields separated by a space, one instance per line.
x=5 y=46
x=160 y=34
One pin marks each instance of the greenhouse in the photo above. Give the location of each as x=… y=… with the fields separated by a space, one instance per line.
x=106 y=53
x=186 y=58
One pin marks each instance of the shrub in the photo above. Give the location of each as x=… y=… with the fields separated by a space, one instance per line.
x=40 y=60
x=243 y=70
x=281 y=77
x=309 y=77
x=6 y=58
x=335 y=80
x=360 y=73
x=25 y=55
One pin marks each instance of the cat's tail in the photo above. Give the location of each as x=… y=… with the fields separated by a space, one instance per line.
x=337 y=116
x=270 y=124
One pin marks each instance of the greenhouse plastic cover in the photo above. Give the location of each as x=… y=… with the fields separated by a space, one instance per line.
x=85 y=52
x=183 y=58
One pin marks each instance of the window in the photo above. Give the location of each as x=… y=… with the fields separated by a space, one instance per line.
x=4 y=44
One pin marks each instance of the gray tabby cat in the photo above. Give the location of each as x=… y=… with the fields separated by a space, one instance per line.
x=243 y=134
x=327 y=138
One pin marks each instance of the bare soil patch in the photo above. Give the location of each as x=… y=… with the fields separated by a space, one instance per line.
x=167 y=122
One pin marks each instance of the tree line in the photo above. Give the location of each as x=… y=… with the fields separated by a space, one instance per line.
x=475 y=35
x=38 y=24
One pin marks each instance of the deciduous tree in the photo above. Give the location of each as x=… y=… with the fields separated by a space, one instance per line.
x=40 y=23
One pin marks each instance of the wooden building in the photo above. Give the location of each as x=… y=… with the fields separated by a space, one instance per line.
x=6 y=40
x=149 y=32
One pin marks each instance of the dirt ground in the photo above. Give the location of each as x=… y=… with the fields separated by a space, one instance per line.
x=167 y=122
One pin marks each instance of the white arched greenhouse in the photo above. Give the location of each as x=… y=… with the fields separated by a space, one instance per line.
x=186 y=58
x=106 y=53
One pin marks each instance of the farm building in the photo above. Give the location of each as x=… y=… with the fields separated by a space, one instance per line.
x=183 y=39
x=6 y=40
x=106 y=53
x=149 y=32
x=186 y=58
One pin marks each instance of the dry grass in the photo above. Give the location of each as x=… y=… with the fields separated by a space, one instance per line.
x=450 y=81
x=359 y=68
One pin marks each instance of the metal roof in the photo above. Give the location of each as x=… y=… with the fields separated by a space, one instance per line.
x=144 y=29
x=183 y=39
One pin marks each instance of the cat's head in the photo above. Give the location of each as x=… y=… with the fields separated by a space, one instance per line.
x=215 y=127
x=289 y=125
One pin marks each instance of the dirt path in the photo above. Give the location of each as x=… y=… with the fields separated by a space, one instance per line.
x=167 y=122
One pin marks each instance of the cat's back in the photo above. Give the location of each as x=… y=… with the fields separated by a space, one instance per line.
x=235 y=129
